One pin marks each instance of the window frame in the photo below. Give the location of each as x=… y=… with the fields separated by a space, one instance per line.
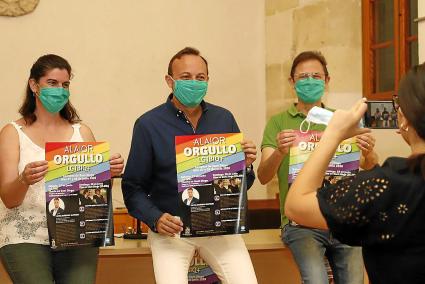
x=401 y=41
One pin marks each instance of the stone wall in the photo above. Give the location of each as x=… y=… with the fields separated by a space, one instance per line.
x=293 y=26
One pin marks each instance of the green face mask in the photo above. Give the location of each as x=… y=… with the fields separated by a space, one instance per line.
x=310 y=90
x=190 y=92
x=54 y=99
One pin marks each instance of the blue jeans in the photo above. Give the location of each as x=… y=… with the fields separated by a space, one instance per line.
x=310 y=246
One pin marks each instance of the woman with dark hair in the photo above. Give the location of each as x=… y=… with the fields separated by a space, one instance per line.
x=47 y=115
x=383 y=209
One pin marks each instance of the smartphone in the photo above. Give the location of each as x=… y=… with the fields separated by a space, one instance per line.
x=380 y=115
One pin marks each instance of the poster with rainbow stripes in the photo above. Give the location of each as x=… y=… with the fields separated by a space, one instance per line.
x=211 y=184
x=78 y=194
x=345 y=163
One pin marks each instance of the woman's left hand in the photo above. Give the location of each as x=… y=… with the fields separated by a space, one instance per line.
x=117 y=164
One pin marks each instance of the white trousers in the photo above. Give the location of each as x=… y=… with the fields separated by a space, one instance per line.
x=226 y=255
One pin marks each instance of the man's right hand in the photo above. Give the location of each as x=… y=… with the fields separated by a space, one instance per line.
x=284 y=140
x=169 y=225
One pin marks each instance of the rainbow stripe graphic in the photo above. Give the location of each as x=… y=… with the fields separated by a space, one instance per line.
x=73 y=164
x=201 y=158
x=345 y=162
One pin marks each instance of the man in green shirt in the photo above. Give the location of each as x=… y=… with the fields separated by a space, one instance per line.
x=309 y=77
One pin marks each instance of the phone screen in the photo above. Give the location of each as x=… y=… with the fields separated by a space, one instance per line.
x=380 y=115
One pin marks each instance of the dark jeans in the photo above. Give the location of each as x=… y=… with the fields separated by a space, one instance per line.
x=38 y=264
x=309 y=247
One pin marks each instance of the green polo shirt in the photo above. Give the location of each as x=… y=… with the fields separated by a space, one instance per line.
x=289 y=119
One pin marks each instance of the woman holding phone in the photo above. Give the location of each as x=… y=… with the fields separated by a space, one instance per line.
x=382 y=209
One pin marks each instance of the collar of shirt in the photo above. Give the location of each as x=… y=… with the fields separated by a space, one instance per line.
x=293 y=111
x=176 y=111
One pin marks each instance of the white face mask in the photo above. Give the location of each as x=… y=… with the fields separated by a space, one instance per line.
x=316 y=115
x=319 y=115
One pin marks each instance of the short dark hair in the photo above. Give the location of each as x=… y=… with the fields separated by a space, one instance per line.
x=39 y=69
x=183 y=52
x=309 y=55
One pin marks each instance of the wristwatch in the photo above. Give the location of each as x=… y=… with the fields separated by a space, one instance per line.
x=154 y=225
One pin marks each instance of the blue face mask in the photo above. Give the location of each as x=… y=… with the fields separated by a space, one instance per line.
x=310 y=90
x=54 y=99
x=190 y=92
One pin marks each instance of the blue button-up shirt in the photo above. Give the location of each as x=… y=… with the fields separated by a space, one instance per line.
x=149 y=184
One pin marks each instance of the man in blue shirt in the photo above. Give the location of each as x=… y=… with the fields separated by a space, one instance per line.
x=150 y=181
